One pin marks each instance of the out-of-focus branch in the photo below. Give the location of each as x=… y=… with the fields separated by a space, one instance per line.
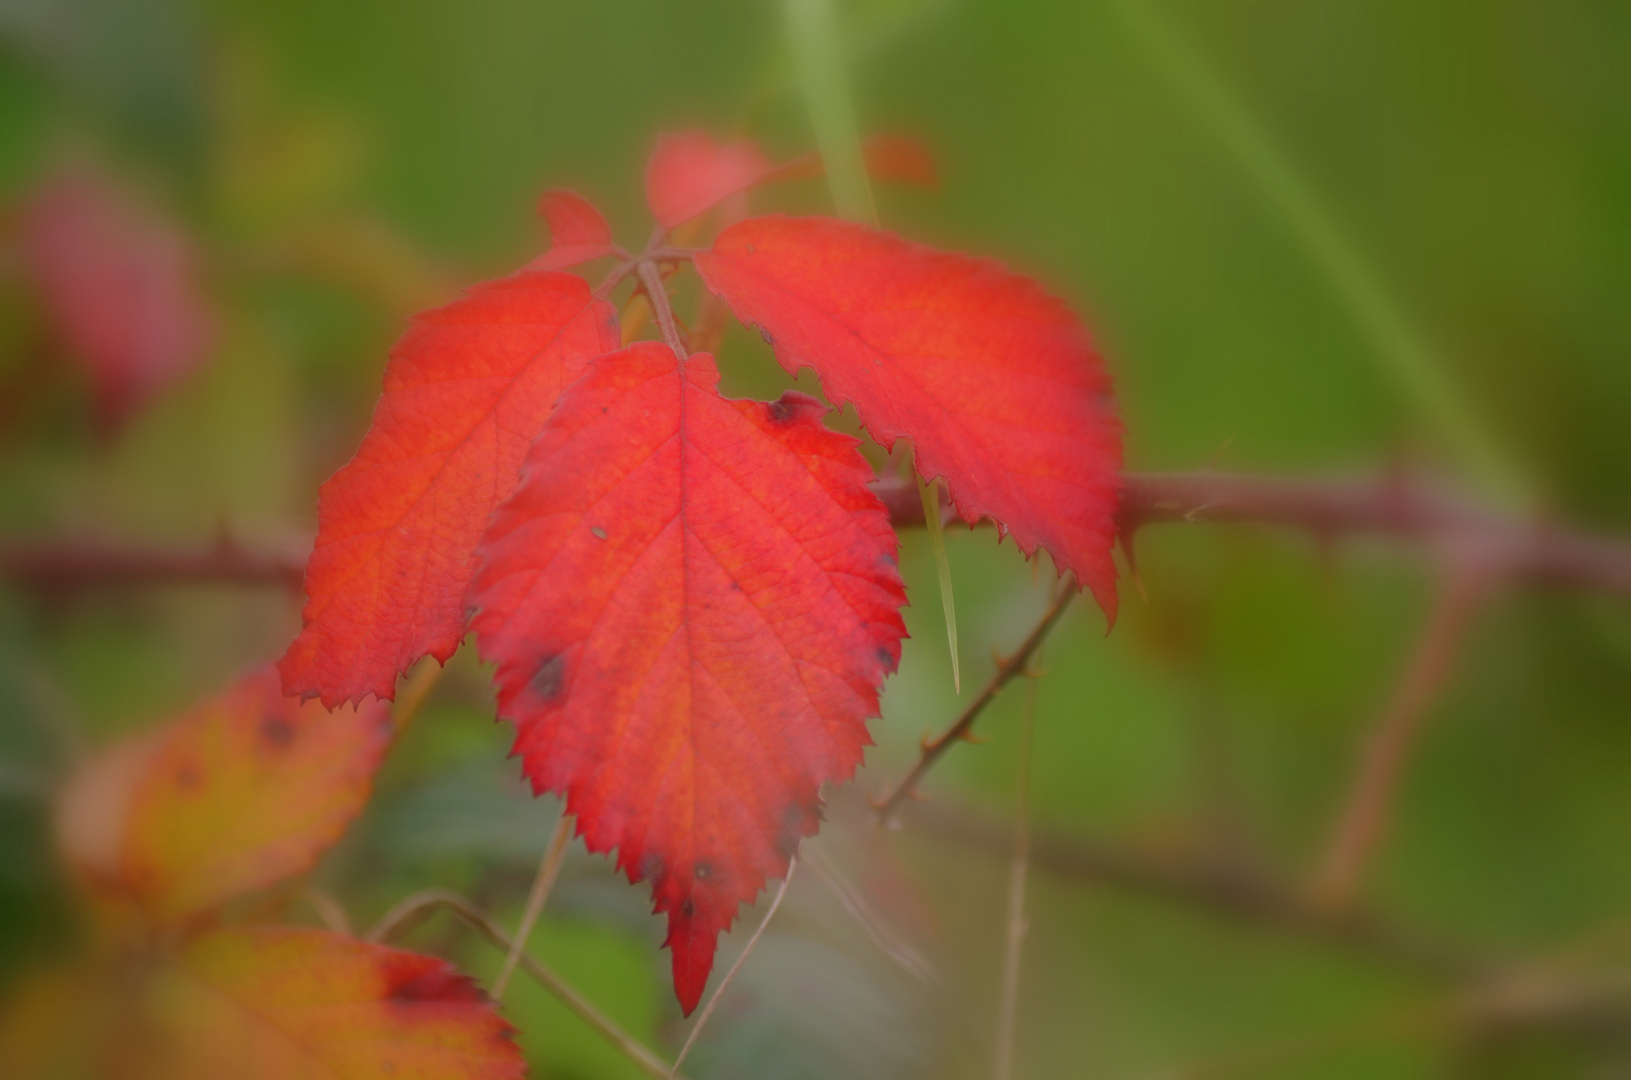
x=71 y=564
x=1225 y=889
x=1364 y=818
x=1527 y=552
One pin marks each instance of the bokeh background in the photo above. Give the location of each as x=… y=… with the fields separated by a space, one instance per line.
x=1313 y=237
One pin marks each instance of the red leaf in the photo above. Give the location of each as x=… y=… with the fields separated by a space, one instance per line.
x=467 y=387
x=903 y=159
x=689 y=173
x=241 y=792
x=577 y=231
x=691 y=602
x=303 y=1003
x=995 y=382
x=121 y=288
x=261 y=1004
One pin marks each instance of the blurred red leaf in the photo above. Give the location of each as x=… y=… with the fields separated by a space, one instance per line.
x=246 y=789
x=259 y=1004
x=690 y=173
x=904 y=159
x=270 y=1004
x=995 y=382
x=577 y=231
x=467 y=387
x=121 y=289
x=692 y=603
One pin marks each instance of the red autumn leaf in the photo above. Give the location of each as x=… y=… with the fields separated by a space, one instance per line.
x=121 y=288
x=242 y=792
x=577 y=231
x=903 y=159
x=467 y=387
x=273 y=1004
x=995 y=382
x=689 y=173
x=691 y=602
x=261 y=1004
x=246 y=789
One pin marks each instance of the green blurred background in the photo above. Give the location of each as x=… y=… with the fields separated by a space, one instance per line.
x=1312 y=236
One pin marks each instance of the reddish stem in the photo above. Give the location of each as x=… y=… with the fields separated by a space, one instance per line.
x=652 y=283
x=1363 y=822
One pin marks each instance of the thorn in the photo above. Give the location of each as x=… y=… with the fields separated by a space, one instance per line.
x=1126 y=536
x=1189 y=515
x=1138 y=580
x=969 y=736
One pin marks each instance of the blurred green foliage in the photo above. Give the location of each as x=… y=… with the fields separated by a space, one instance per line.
x=346 y=163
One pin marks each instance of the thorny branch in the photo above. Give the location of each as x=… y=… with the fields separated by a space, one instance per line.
x=1007 y=670
x=1522 y=552
x=67 y=564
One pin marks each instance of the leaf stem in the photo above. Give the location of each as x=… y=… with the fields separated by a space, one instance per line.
x=548 y=869
x=657 y=293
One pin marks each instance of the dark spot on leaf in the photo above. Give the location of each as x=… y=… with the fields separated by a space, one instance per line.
x=387 y=1068
x=549 y=679
x=885 y=658
x=433 y=985
x=752 y=250
x=781 y=412
x=687 y=908
x=598 y=533
x=651 y=866
x=188 y=778
x=276 y=730
x=703 y=870
x=736 y=586
x=766 y=335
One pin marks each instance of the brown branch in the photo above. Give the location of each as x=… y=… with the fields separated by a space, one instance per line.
x=1224 y=889
x=1534 y=553
x=1527 y=552
x=1364 y=818
x=65 y=565
x=1006 y=671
